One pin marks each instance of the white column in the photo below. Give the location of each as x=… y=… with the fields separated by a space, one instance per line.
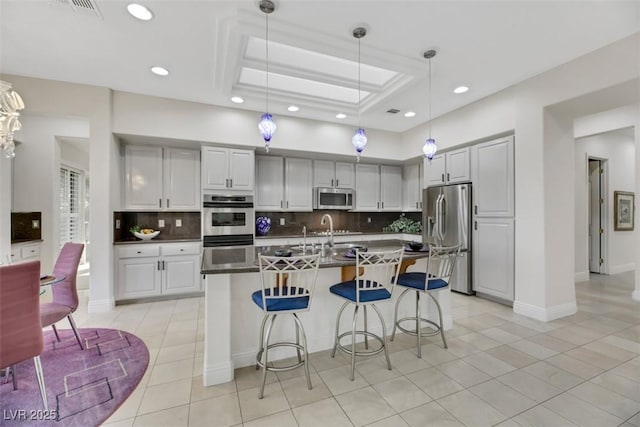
x=636 y=293
x=5 y=209
x=218 y=366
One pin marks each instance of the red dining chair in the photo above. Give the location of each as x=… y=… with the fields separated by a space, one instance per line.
x=65 y=293
x=20 y=328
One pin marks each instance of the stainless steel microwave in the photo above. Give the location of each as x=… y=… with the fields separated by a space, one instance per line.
x=333 y=198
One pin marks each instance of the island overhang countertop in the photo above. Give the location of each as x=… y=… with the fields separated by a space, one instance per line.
x=334 y=257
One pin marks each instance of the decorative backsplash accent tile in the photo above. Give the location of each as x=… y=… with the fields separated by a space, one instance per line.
x=26 y=226
x=190 y=225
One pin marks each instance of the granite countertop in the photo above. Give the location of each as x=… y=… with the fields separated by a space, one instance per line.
x=243 y=263
x=321 y=234
x=135 y=241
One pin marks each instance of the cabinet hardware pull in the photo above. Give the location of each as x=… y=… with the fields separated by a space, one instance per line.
x=181 y=250
x=337 y=183
x=158 y=265
x=382 y=205
x=442 y=177
x=281 y=204
x=159 y=203
x=332 y=183
x=163 y=265
x=167 y=203
x=475 y=225
x=287 y=204
x=138 y=252
x=475 y=209
x=377 y=205
x=448 y=176
x=416 y=205
x=230 y=182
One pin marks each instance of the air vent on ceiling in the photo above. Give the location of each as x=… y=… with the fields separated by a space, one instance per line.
x=393 y=111
x=82 y=6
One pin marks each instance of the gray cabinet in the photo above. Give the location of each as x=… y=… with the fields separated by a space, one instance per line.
x=283 y=184
x=378 y=188
x=227 y=168
x=493 y=237
x=412 y=183
x=147 y=270
x=327 y=173
x=159 y=178
x=447 y=168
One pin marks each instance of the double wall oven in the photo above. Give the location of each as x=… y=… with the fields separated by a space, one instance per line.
x=228 y=227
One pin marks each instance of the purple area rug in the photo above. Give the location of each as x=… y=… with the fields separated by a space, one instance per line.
x=84 y=387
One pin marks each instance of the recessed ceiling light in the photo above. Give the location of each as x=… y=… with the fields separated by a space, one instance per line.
x=140 y=12
x=340 y=116
x=293 y=108
x=409 y=114
x=460 y=89
x=237 y=99
x=159 y=71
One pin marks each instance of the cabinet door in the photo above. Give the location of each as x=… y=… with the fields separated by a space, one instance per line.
x=269 y=183
x=241 y=169
x=390 y=188
x=143 y=177
x=298 y=186
x=367 y=187
x=345 y=175
x=411 y=187
x=181 y=179
x=434 y=171
x=493 y=178
x=323 y=173
x=215 y=168
x=457 y=166
x=493 y=257
x=180 y=274
x=138 y=277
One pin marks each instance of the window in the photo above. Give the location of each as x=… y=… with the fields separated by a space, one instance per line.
x=71 y=206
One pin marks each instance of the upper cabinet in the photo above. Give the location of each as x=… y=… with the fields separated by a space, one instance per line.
x=227 y=169
x=327 y=173
x=283 y=184
x=493 y=178
x=378 y=188
x=159 y=178
x=412 y=183
x=447 y=168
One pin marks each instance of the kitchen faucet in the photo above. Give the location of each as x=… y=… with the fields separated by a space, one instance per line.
x=304 y=239
x=323 y=221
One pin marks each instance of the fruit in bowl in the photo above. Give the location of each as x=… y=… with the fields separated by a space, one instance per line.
x=144 y=233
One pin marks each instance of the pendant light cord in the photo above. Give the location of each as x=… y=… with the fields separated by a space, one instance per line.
x=267 y=51
x=429 y=98
x=358 y=83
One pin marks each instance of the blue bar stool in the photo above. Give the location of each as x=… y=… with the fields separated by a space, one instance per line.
x=440 y=265
x=376 y=274
x=287 y=288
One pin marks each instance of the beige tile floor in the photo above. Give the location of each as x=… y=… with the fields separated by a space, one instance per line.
x=500 y=369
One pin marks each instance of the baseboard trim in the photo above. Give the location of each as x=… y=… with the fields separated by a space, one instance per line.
x=101 y=305
x=636 y=295
x=622 y=268
x=241 y=360
x=217 y=374
x=581 y=276
x=545 y=314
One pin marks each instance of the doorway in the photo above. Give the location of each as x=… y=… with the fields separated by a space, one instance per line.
x=596 y=215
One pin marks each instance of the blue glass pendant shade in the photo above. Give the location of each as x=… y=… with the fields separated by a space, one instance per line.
x=429 y=149
x=359 y=141
x=267 y=128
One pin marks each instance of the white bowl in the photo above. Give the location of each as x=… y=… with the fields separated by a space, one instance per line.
x=146 y=236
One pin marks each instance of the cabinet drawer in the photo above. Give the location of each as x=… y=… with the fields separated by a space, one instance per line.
x=30 y=251
x=139 y=250
x=15 y=254
x=181 y=249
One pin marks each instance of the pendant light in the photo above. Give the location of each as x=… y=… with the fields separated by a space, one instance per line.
x=359 y=139
x=429 y=149
x=267 y=126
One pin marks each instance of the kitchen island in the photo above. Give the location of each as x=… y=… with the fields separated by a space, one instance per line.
x=232 y=321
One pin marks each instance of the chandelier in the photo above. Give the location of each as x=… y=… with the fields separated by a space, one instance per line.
x=267 y=126
x=359 y=139
x=10 y=105
x=429 y=149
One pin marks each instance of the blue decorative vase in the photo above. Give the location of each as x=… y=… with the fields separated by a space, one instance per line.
x=263 y=225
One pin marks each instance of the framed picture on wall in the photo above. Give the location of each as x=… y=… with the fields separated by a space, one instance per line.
x=623 y=210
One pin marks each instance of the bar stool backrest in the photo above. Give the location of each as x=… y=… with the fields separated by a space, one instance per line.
x=441 y=262
x=377 y=270
x=288 y=278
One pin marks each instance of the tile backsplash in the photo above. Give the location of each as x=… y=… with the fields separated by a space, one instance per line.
x=366 y=222
x=26 y=226
x=190 y=228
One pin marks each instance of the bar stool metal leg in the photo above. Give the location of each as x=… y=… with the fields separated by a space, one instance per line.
x=353 y=342
x=304 y=349
x=384 y=336
x=265 y=354
x=418 y=332
x=335 y=342
x=444 y=341
x=395 y=314
x=261 y=341
x=366 y=338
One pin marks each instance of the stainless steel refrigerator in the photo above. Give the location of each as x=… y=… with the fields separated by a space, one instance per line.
x=446 y=216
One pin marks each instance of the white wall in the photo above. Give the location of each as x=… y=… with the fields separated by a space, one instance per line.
x=36 y=174
x=74 y=157
x=619 y=150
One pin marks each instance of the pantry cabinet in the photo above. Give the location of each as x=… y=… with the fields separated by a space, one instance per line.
x=158 y=178
x=149 y=269
x=227 y=169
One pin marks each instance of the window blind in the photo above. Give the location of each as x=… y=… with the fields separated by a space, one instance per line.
x=70 y=206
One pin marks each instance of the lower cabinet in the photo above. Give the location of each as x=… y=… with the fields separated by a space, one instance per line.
x=493 y=257
x=147 y=269
x=25 y=252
